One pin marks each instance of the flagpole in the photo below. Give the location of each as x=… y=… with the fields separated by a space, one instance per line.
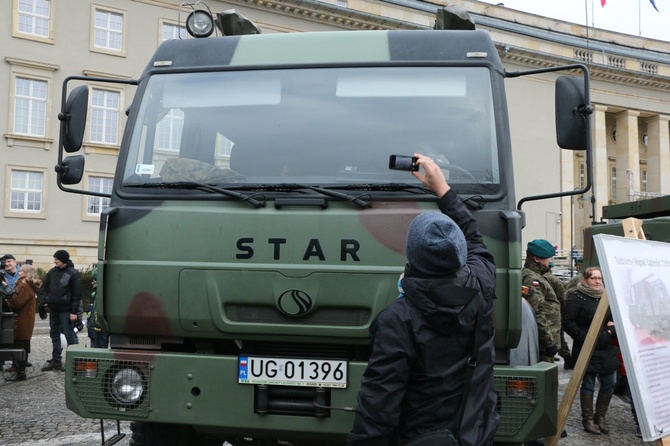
x=593 y=15
x=586 y=11
x=639 y=16
x=588 y=49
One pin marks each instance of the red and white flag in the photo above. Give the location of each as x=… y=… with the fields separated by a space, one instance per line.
x=602 y=2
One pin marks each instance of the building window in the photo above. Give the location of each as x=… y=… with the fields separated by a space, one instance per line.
x=169 y=130
x=33 y=17
x=30 y=104
x=105 y=112
x=171 y=31
x=107 y=35
x=95 y=205
x=643 y=180
x=582 y=175
x=26 y=191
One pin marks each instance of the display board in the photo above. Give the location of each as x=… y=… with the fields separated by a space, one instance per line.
x=636 y=274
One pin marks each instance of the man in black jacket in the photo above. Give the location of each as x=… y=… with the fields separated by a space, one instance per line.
x=61 y=289
x=420 y=343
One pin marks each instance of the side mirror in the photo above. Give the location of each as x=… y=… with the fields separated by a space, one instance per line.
x=71 y=169
x=572 y=113
x=73 y=119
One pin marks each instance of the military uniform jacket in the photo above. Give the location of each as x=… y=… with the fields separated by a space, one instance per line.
x=546 y=305
x=420 y=343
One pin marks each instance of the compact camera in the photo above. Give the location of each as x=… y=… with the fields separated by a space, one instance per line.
x=403 y=162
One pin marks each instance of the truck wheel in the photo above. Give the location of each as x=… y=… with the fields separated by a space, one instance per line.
x=158 y=434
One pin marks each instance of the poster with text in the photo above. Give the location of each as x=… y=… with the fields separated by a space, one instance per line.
x=636 y=274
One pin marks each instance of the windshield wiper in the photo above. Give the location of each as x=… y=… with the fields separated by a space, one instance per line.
x=204 y=187
x=335 y=194
x=289 y=187
x=473 y=202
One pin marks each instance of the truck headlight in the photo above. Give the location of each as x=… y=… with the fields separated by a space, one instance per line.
x=127 y=386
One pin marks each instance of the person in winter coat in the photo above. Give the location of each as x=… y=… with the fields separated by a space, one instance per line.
x=420 y=344
x=22 y=303
x=62 y=292
x=580 y=309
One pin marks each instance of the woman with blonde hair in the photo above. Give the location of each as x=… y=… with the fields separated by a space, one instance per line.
x=580 y=308
x=22 y=303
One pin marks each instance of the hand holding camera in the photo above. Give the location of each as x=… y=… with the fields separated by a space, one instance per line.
x=403 y=162
x=433 y=178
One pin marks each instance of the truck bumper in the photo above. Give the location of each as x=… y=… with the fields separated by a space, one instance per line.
x=203 y=391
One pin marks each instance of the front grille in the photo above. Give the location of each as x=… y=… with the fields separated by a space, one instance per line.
x=334 y=317
x=94 y=388
x=514 y=410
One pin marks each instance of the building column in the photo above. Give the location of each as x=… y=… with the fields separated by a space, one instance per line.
x=601 y=170
x=568 y=161
x=658 y=154
x=627 y=155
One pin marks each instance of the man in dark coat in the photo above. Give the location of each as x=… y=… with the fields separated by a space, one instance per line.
x=62 y=291
x=420 y=343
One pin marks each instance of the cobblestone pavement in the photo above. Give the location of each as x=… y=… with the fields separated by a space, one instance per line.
x=33 y=412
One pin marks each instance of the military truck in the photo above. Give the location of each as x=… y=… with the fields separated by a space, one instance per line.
x=654 y=212
x=254 y=228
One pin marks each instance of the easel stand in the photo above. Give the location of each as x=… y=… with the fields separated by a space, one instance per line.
x=633 y=229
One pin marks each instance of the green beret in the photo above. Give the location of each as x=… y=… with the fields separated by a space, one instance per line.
x=541 y=248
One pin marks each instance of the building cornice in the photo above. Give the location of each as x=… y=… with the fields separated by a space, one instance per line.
x=331 y=14
x=536 y=59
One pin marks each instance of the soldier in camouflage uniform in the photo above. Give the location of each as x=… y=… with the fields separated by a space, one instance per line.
x=542 y=297
x=559 y=289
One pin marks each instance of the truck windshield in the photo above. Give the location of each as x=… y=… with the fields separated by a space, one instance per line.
x=321 y=126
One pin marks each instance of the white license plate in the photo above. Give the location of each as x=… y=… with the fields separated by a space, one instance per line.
x=292 y=371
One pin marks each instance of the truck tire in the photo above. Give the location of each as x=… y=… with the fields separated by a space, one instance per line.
x=158 y=434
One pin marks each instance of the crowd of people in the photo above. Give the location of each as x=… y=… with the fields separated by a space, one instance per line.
x=570 y=308
x=57 y=296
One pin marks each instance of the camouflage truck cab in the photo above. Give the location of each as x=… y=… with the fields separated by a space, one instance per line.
x=255 y=229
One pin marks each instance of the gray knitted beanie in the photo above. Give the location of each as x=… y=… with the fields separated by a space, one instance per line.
x=435 y=246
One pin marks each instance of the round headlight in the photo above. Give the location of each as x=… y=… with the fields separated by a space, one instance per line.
x=127 y=386
x=199 y=23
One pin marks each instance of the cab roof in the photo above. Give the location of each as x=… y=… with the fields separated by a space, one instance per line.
x=319 y=48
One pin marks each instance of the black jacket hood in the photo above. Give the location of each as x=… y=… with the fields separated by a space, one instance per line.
x=449 y=304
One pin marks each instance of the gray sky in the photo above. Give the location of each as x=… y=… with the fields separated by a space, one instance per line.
x=638 y=18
